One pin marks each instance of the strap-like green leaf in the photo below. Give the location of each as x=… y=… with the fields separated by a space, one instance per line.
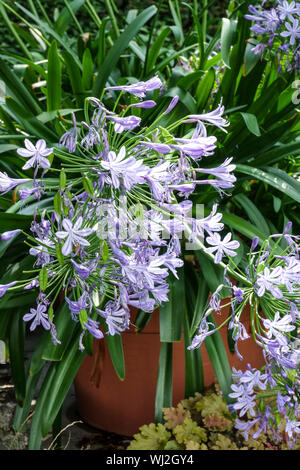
x=65 y=17
x=218 y=357
x=171 y=313
x=254 y=214
x=16 y=354
x=62 y=379
x=115 y=347
x=227 y=33
x=275 y=177
x=163 y=397
x=53 y=78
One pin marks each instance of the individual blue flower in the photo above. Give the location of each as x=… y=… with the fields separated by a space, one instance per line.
x=172 y=105
x=39 y=317
x=74 y=235
x=7 y=183
x=278 y=324
x=36 y=153
x=287 y=10
x=213 y=117
x=130 y=170
x=5 y=287
x=76 y=306
x=93 y=327
x=116 y=318
x=69 y=138
x=125 y=123
x=221 y=247
x=143 y=104
x=6 y=236
x=292 y=30
x=139 y=89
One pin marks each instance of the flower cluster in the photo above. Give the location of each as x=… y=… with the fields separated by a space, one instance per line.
x=121 y=204
x=277 y=29
x=272 y=289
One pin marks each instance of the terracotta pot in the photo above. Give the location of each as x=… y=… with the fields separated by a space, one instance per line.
x=105 y=402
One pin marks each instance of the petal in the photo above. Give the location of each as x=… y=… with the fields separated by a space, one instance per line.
x=67 y=248
x=44 y=162
x=78 y=224
x=67 y=224
x=61 y=234
x=46 y=152
x=29 y=145
x=25 y=153
x=40 y=145
x=29 y=164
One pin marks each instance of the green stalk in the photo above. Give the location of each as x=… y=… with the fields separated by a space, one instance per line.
x=204 y=20
x=112 y=17
x=14 y=33
x=92 y=12
x=73 y=16
x=44 y=13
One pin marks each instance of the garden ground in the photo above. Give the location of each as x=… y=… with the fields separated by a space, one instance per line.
x=76 y=435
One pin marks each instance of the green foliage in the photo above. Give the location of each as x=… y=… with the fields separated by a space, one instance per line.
x=151 y=437
x=201 y=422
x=74 y=59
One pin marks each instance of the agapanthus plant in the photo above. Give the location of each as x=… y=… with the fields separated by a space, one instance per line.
x=120 y=210
x=271 y=287
x=276 y=31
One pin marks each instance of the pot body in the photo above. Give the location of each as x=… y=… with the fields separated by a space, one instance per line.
x=107 y=403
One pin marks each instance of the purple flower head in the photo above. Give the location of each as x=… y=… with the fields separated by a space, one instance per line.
x=74 y=235
x=245 y=426
x=287 y=10
x=254 y=378
x=34 y=283
x=36 y=153
x=7 y=183
x=245 y=399
x=39 y=317
x=203 y=331
x=211 y=223
x=92 y=137
x=221 y=247
x=4 y=287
